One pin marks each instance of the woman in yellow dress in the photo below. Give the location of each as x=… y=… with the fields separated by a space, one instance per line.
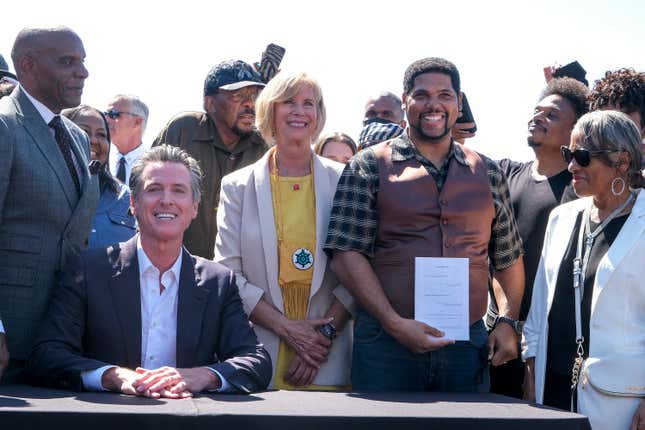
x=272 y=222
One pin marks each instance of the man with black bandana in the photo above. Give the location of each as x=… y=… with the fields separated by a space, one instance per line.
x=222 y=139
x=536 y=187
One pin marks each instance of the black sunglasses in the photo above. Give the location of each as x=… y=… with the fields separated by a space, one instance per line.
x=582 y=156
x=114 y=114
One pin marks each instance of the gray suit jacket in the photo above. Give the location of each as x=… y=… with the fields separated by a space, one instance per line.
x=43 y=220
x=95 y=319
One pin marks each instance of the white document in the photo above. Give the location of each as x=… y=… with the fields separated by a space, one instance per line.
x=441 y=295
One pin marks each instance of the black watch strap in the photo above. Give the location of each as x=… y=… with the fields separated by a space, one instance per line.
x=328 y=330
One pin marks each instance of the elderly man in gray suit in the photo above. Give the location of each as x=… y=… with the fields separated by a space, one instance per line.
x=47 y=195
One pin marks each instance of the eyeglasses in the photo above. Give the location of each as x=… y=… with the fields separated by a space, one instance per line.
x=114 y=114
x=582 y=156
x=243 y=94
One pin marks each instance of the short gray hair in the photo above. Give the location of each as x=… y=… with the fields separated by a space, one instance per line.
x=613 y=131
x=138 y=107
x=166 y=154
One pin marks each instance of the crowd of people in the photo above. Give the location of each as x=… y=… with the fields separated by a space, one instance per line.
x=245 y=249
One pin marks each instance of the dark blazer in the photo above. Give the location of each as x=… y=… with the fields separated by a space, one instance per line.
x=43 y=219
x=94 y=320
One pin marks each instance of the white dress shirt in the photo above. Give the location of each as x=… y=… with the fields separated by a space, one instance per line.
x=158 y=321
x=130 y=158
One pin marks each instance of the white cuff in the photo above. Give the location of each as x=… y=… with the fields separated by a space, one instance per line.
x=1 y=327
x=92 y=378
x=225 y=387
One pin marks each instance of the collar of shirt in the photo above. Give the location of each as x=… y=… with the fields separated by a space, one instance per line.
x=43 y=110
x=146 y=266
x=158 y=312
x=131 y=156
x=403 y=149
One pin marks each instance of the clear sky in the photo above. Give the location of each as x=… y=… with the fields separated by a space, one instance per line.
x=162 y=51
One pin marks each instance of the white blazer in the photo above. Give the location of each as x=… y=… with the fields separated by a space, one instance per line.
x=247 y=243
x=617 y=322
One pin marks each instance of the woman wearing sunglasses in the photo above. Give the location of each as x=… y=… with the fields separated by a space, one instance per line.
x=587 y=315
x=112 y=221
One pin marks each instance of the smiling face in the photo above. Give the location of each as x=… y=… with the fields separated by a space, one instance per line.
x=296 y=118
x=594 y=179
x=164 y=205
x=53 y=71
x=551 y=124
x=432 y=107
x=92 y=123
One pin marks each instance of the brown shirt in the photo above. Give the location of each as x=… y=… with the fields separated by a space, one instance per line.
x=197 y=134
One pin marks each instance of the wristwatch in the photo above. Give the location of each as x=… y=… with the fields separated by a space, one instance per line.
x=517 y=325
x=328 y=330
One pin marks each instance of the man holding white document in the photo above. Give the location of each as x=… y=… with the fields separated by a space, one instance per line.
x=424 y=195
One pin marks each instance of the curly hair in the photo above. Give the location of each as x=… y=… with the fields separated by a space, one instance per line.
x=429 y=65
x=623 y=88
x=571 y=90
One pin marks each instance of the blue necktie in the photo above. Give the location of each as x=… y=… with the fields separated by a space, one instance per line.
x=120 y=173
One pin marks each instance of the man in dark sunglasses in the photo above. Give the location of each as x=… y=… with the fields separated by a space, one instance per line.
x=536 y=187
x=127 y=116
x=223 y=139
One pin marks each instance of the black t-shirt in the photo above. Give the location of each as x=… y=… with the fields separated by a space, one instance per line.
x=532 y=201
x=561 y=347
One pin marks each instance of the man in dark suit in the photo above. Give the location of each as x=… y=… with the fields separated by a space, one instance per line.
x=47 y=195
x=146 y=317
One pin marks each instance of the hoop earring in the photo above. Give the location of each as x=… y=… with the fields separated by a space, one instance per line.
x=621 y=181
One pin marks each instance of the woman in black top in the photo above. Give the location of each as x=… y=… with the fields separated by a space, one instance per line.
x=604 y=158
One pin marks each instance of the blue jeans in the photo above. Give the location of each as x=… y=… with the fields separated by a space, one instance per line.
x=380 y=363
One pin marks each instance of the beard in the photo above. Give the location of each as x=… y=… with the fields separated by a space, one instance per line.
x=418 y=130
x=532 y=144
x=244 y=133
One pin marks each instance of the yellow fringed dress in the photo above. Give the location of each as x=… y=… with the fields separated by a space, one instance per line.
x=294 y=209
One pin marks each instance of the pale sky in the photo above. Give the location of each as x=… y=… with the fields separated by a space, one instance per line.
x=162 y=51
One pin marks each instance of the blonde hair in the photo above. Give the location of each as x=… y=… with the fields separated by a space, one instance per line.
x=283 y=87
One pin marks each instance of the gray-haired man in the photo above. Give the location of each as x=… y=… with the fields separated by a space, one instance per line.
x=127 y=117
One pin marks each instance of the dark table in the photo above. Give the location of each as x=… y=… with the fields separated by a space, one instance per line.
x=23 y=407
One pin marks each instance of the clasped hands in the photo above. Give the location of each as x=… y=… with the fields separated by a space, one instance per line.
x=310 y=346
x=167 y=382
